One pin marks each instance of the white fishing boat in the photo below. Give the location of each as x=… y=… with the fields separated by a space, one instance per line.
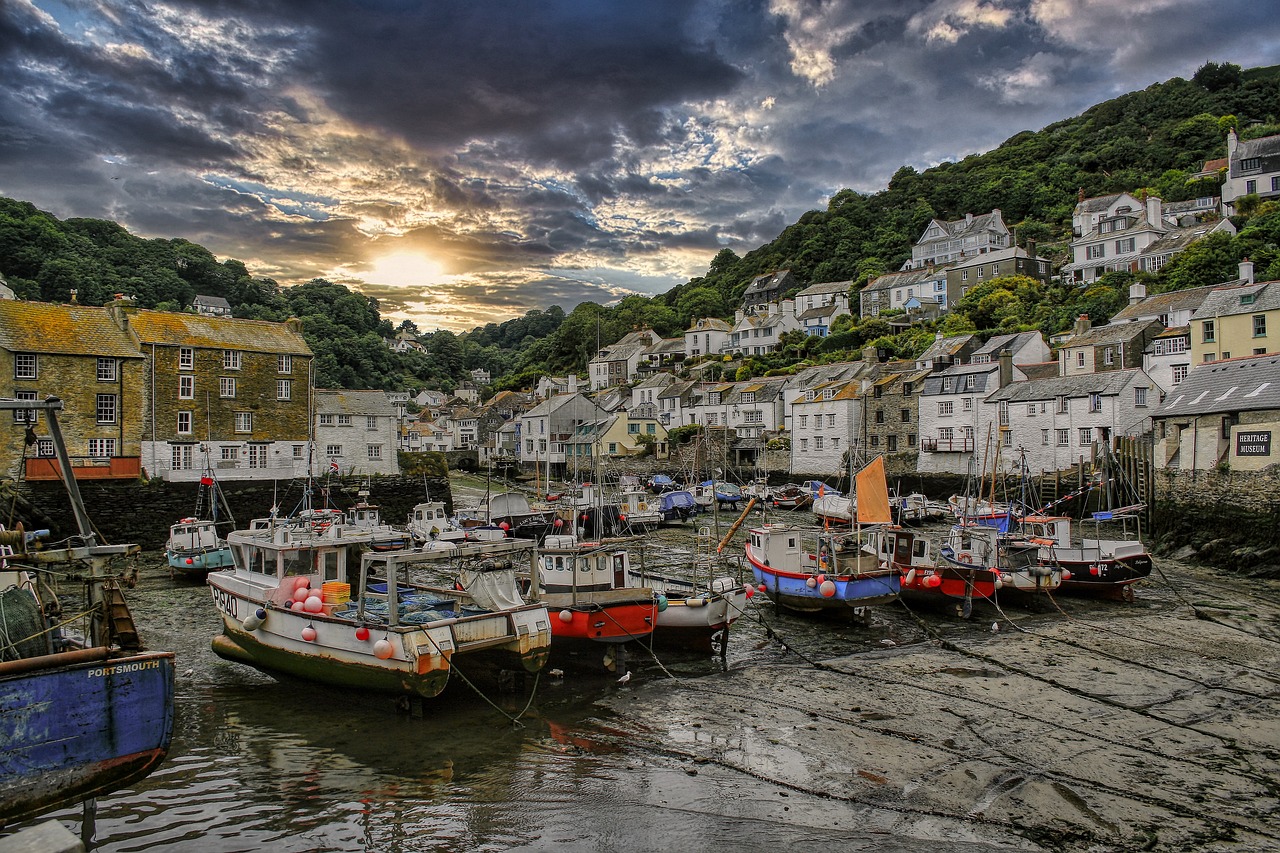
x=195 y=545
x=286 y=607
x=638 y=511
x=431 y=527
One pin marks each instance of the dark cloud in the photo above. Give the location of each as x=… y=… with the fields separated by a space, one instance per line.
x=550 y=152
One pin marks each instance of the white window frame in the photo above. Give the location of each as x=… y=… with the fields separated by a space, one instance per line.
x=106 y=409
x=227 y=387
x=107 y=369
x=231 y=359
x=244 y=422
x=186 y=387
x=284 y=363
x=284 y=389
x=186 y=358
x=26 y=365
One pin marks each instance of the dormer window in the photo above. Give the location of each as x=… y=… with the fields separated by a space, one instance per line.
x=1250 y=164
x=1247 y=298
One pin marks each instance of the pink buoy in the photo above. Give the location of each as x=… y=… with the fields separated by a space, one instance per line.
x=362 y=633
x=309 y=634
x=382 y=650
x=811 y=582
x=750 y=591
x=314 y=604
x=1066 y=575
x=763 y=588
x=821 y=577
x=505 y=526
x=298 y=607
x=566 y=615
x=299 y=583
x=559 y=522
x=190 y=562
x=828 y=589
x=1093 y=570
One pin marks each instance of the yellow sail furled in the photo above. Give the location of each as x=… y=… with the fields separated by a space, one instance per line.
x=873 y=493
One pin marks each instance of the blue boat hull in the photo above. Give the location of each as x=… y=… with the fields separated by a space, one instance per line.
x=792 y=590
x=76 y=727
x=201 y=562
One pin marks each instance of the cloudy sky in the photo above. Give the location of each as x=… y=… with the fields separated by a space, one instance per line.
x=467 y=160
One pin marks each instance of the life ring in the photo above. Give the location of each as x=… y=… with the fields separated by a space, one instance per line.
x=187 y=520
x=964 y=557
x=644 y=507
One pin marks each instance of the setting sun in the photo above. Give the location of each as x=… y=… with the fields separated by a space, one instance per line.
x=404 y=269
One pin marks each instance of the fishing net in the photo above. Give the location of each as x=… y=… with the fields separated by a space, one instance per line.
x=21 y=625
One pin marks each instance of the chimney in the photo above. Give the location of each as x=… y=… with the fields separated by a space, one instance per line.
x=937 y=336
x=738 y=315
x=1080 y=195
x=869 y=354
x=968 y=219
x=1246 y=271
x=1082 y=324
x=1154 y=208
x=1031 y=248
x=1137 y=293
x=1232 y=142
x=1005 y=374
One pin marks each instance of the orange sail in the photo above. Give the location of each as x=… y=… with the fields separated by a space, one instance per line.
x=872 y=490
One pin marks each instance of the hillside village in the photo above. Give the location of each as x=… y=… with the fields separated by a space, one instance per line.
x=171 y=395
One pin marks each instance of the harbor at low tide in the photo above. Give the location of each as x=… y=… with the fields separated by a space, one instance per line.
x=1074 y=725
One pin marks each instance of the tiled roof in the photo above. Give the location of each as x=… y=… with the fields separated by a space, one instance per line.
x=42 y=327
x=1233 y=385
x=766 y=282
x=1267 y=146
x=945 y=346
x=1112 y=333
x=709 y=324
x=1012 y=342
x=168 y=328
x=818 y=312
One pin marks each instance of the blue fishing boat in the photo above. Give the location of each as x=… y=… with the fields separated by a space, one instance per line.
x=676 y=506
x=195 y=547
x=85 y=708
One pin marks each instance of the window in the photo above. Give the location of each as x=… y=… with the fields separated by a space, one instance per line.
x=1109 y=356
x=1094 y=252
x=184 y=423
x=892 y=443
x=804 y=421
x=1008 y=437
x=106 y=409
x=297 y=451
x=1063 y=437
x=284 y=363
x=1044 y=437
x=1259 y=325
x=804 y=445
x=755 y=416
x=835 y=443
x=911 y=439
x=1275 y=184
x=906 y=416
x=633 y=429
x=284 y=389
x=1179 y=372
x=964 y=275
x=713 y=419
x=946 y=408
x=528 y=445
x=1003 y=410
x=186 y=358
x=1031 y=410
x=24 y=365
x=652 y=429
x=1171 y=346
x=181 y=457
x=345 y=420
x=613 y=447
x=375 y=452
x=875 y=441
x=748 y=396
x=226 y=386
x=1080 y=358
x=831 y=420
x=981 y=271
x=230 y=359
x=230 y=453
x=1250 y=187
x=1249 y=164
x=968 y=382
x=818 y=442
x=967 y=403
x=25 y=416
x=244 y=421
x=946 y=434
x=257 y=456
x=1086 y=436
x=1062 y=405
x=101 y=448
x=332 y=450
x=186 y=387
x=106 y=370
x=1095 y=402
x=1140 y=397
x=1125 y=246
x=44 y=448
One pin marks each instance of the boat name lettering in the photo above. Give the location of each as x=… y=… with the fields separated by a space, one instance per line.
x=1253 y=443
x=225 y=601
x=138 y=666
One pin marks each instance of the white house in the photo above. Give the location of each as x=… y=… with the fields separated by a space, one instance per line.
x=647 y=391
x=546 y=427
x=1055 y=421
x=826 y=421
x=896 y=289
x=1253 y=169
x=818 y=305
x=1111 y=233
x=357 y=430
x=811 y=377
x=756 y=330
x=955 y=430
x=616 y=364
x=549 y=386
x=674 y=404
x=752 y=407
x=943 y=242
x=708 y=336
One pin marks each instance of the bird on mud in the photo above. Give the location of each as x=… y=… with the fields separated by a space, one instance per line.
x=556 y=673
x=625 y=678
x=995 y=627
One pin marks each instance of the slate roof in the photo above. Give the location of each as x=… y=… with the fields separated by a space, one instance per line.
x=677 y=389
x=818 y=312
x=1267 y=146
x=668 y=345
x=347 y=401
x=1179 y=238
x=42 y=327
x=945 y=347
x=1225 y=301
x=986 y=377
x=1108 y=384
x=1012 y=342
x=551 y=404
x=1234 y=385
x=1039 y=370
x=766 y=282
x=1112 y=333
x=1097 y=204
x=905 y=278
x=1164 y=303
x=826 y=287
x=657 y=380
x=961 y=227
x=709 y=324
x=211 y=302
x=166 y=328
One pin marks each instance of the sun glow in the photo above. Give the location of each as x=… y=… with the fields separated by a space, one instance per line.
x=404 y=269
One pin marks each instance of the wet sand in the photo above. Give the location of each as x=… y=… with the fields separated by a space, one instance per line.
x=1076 y=726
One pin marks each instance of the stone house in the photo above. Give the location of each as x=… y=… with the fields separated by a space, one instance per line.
x=1056 y=421
x=972 y=271
x=357 y=430
x=674 y=404
x=891 y=407
x=955 y=433
x=811 y=377
x=1226 y=413
x=944 y=352
x=211 y=306
x=1115 y=346
x=1159 y=251
x=616 y=364
x=757 y=330
x=767 y=288
x=621 y=434
x=238 y=390
x=752 y=407
x=86 y=357
x=893 y=291
x=647 y=391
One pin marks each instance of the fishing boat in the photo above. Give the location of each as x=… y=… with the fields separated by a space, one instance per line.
x=86 y=709
x=638 y=512
x=287 y=607
x=835 y=509
x=822 y=570
x=660 y=483
x=430 y=525
x=926 y=577
x=195 y=546
x=723 y=494
x=1015 y=557
x=676 y=506
x=587 y=588
x=789 y=496
x=1105 y=567
x=512 y=512
x=367 y=516
x=695 y=610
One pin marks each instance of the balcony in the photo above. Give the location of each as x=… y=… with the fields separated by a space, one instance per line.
x=946 y=445
x=86 y=468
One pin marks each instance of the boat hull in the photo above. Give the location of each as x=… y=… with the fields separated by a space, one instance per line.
x=698 y=623
x=1107 y=578
x=792 y=590
x=955 y=585
x=200 y=562
x=81 y=728
x=588 y=623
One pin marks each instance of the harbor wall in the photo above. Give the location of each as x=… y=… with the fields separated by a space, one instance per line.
x=1226 y=519
x=141 y=511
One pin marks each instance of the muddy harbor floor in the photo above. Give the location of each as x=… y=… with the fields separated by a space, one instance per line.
x=1076 y=725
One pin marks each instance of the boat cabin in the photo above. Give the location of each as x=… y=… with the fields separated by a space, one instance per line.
x=194 y=534
x=569 y=566
x=786 y=549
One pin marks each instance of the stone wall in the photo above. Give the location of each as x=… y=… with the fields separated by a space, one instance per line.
x=1226 y=519
x=141 y=511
